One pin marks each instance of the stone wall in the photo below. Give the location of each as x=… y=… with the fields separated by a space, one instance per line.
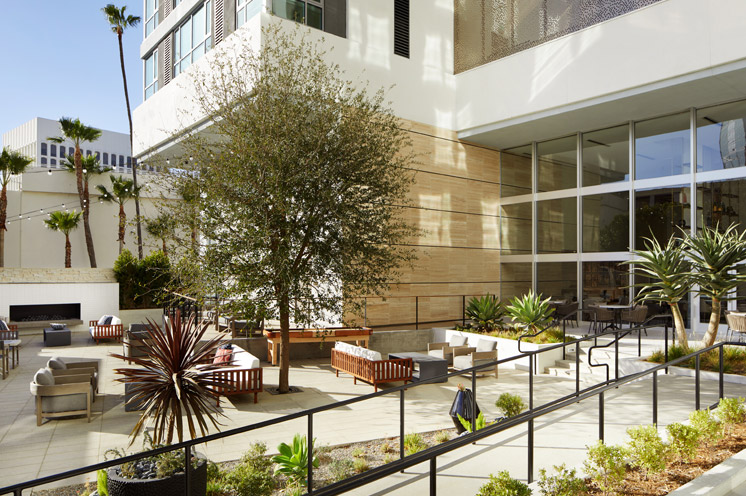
x=41 y=276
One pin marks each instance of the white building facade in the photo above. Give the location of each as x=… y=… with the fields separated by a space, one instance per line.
x=557 y=134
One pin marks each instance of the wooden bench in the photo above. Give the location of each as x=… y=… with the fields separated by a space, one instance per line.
x=100 y=332
x=359 y=335
x=244 y=375
x=374 y=372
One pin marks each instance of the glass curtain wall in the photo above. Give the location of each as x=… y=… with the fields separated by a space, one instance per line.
x=515 y=171
x=605 y=282
x=515 y=280
x=515 y=229
x=661 y=213
x=556 y=226
x=558 y=162
x=606 y=156
x=557 y=280
x=606 y=222
x=662 y=147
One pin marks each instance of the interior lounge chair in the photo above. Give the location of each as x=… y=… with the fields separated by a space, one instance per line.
x=64 y=396
x=635 y=316
x=468 y=357
x=445 y=350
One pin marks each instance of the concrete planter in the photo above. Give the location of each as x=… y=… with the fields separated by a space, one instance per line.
x=507 y=348
x=141 y=316
x=169 y=486
x=633 y=365
x=720 y=480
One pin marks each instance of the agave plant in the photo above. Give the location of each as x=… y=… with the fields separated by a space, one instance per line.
x=487 y=312
x=293 y=460
x=168 y=384
x=530 y=311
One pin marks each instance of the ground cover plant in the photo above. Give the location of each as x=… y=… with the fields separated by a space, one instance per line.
x=734 y=359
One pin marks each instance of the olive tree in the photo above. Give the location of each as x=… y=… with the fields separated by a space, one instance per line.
x=299 y=183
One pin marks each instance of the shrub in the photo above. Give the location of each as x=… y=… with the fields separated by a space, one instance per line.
x=358 y=453
x=360 y=465
x=486 y=312
x=480 y=423
x=510 y=404
x=102 y=479
x=606 y=466
x=683 y=440
x=442 y=436
x=648 y=450
x=253 y=475
x=531 y=311
x=711 y=430
x=293 y=460
x=217 y=488
x=413 y=443
x=730 y=411
x=142 y=283
x=387 y=448
x=564 y=483
x=341 y=469
x=504 y=485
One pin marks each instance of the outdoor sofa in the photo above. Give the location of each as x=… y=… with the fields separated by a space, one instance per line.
x=369 y=366
x=107 y=327
x=238 y=372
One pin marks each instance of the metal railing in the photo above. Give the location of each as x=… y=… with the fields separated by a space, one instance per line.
x=429 y=455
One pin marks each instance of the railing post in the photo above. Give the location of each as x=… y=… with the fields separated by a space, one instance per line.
x=310 y=453
x=616 y=357
x=696 y=382
x=639 y=342
x=530 y=450
x=564 y=344
x=188 y=470
x=601 y=417
x=720 y=378
x=577 y=369
x=473 y=401
x=401 y=424
x=416 y=312
x=655 y=398
x=463 y=310
x=665 y=345
x=365 y=311
x=531 y=382
x=433 y=473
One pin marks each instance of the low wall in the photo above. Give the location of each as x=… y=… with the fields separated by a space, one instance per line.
x=141 y=316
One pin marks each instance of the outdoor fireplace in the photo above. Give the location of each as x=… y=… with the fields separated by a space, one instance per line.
x=45 y=313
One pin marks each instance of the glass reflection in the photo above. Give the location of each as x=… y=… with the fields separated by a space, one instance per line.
x=606 y=156
x=718 y=203
x=605 y=282
x=606 y=222
x=557 y=280
x=557 y=226
x=515 y=229
x=515 y=280
x=662 y=147
x=661 y=213
x=721 y=137
x=515 y=171
x=558 y=160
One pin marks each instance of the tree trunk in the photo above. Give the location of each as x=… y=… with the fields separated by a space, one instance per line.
x=284 y=385
x=134 y=168
x=68 y=252
x=678 y=322
x=122 y=224
x=3 y=218
x=712 y=328
x=84 y=204
x=165 y=251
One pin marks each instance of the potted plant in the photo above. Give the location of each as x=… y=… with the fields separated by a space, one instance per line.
x=168 y=386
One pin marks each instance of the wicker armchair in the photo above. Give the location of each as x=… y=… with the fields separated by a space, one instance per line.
x=736 y=324
x=601 y=316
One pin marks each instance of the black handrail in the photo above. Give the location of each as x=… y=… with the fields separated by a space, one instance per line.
x=404 y=462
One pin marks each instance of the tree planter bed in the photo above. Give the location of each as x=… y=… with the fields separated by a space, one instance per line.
x=174 y=485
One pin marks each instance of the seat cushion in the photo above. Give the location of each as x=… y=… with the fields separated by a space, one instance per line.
x=44 y=377
x=486 y=345
x=462 y=362
x=457 y=340
x=56 y=363
x=64 y=403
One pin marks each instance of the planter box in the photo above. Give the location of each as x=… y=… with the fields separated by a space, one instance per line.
x=720 y=480
x=633 y=365
x=170 y=486
x=140 y=316
x=507 y=348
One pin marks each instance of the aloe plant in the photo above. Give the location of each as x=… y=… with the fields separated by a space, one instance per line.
x=530 y=311
x=293 y=460
x=486 y=312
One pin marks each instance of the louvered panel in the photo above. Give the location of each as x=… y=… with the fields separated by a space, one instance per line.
x=401 y=28
x=167 y=60
x=166 y=7
x=219 y=20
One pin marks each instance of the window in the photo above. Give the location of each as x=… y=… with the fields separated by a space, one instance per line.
x=245 y=10
x=721 y=137
x=53 y=161
x=44 y=150
x=151 y=16
x=515 y=229
x=515 y=171
x=44 y=161
x=106 y=158
x=192 y=39
x=121 y=160
x=53 y=150
x=557 y=164
x=662 y=147
x=556 y=226
x=98 y=155
x=606 y=156
x=129 y=162
x=606 y=222
x=309 y=12
x=71 y=150
x=176 y=2
x=151 y=74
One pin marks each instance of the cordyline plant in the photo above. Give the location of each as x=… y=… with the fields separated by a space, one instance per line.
x=168 y=384
x=669 y=278
x=715 y=255
x=299 y=184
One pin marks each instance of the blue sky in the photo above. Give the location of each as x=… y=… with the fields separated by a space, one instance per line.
x=60 y=58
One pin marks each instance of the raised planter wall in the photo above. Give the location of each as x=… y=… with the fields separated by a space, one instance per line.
x=629 y=366
x=141 y=316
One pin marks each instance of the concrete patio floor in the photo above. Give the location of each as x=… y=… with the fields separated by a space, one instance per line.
x=28 y=451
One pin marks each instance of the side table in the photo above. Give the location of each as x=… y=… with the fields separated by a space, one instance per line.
x=57 y=337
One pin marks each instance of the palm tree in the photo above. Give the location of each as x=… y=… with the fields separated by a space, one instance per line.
x=714 y=255
x=64 y=222
x=11 y=163
x=122 y=190
x=77 y=132
x=669 y=274
x=161 y=227
x=120 y=21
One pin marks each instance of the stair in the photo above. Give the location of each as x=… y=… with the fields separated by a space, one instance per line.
x=567 y=367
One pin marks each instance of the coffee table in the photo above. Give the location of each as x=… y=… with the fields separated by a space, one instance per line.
x=57 y=337
x=429 y=366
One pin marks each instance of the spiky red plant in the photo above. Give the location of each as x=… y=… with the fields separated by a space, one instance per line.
x=168 y=384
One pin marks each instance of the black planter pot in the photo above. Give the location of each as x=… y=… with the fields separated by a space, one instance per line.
x=169 y=486
x=462 y=405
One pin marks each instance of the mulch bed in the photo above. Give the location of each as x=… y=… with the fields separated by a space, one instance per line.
x=678 y=474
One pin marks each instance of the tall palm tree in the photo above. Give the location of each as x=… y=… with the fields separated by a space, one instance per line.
x=669 y=274
x=119 y=21
x=77 y=132
x=11 y=163
x=161 y=227
x=714 y=255
x=64 y=222
x=122 y=191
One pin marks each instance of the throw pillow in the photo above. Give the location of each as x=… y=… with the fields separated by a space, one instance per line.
x=57 y=327
x=56 y=363
x=107 y=320
x=102 y=320
x=457 y=341
x=3 y=326
x=44 y=377
x=222 y=357
x=485 y=345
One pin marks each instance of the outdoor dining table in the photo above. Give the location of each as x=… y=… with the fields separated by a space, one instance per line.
x=617 y=323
